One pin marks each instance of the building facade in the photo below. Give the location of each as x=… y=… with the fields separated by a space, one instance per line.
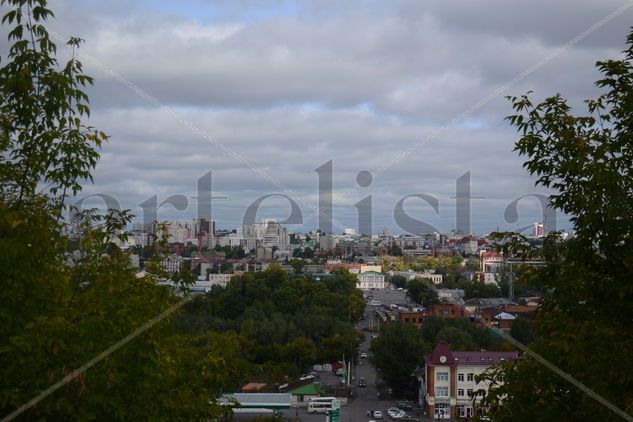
x=371 y=280
x=410 y=275
x=220 y=279
x=449 y=380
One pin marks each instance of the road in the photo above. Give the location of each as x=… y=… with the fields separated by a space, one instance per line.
x=367 y=397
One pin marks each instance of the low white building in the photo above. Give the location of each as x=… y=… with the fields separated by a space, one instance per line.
x=220 y=279
x=410 y=275
x=371 y=280
x=451 y=295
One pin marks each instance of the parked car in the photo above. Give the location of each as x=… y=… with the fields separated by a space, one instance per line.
x=404 y=406
x=396 y=413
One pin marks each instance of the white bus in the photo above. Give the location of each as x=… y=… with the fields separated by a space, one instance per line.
x=323 y=404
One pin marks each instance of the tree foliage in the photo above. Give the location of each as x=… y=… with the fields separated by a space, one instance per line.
x=68 y=293
x=460 y=333
x=419 y=291
x=289 y=323
x=397 y=352
x=584 y=324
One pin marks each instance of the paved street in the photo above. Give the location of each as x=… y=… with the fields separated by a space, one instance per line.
x=367 y=397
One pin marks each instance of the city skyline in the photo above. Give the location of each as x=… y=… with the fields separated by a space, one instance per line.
x=276 y=89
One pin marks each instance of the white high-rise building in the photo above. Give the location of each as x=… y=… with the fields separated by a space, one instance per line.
x=268 y=233
x=539 y=230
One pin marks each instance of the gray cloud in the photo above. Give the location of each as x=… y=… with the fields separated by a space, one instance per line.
x=290 y=85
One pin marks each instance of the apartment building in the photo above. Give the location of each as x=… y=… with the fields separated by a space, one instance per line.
x=448 y=381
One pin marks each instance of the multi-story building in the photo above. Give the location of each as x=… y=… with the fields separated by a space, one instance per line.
x=327 y=242
x=448 y=382
x=177 y=233
x=410 y=275
x=371 y=280
x=412 y=317
x=490 y=261
x=172 y=263
x=488 y=278
x=539 y=229
x=268 y=233
x=470 y=247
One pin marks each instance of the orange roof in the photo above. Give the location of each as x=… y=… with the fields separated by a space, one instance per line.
x=253 y=386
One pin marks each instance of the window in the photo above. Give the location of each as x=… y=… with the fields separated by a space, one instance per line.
x=442 y=410
x=460 y=377
x=471 y=377
x=465 y=411
x=442 y=376
x=460 y=392
x=469 y=392
x=441 y=391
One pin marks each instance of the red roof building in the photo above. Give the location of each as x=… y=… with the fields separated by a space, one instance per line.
x=449 y=380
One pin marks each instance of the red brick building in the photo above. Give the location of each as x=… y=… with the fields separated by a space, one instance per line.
x=446 y=310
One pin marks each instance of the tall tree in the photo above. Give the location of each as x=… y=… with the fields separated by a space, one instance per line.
x=421 y=293
x=65 y=298
x=397 y=352
x=584 y=324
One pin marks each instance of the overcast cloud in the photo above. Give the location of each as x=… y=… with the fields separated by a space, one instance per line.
x=290 y=85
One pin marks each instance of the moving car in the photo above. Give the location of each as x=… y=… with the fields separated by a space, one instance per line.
x=363 y=355
x=376 y=414
x=362 y=382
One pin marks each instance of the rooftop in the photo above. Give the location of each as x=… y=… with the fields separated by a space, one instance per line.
x=260 y=400
x=443 y=355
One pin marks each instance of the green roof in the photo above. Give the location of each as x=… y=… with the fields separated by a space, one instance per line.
x=306 y=390
x=320 y=276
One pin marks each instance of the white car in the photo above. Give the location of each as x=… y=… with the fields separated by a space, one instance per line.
x=363 y=355
x=396 y=413
x=376 y=414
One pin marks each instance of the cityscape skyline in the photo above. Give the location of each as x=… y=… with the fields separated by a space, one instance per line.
x=265 y=92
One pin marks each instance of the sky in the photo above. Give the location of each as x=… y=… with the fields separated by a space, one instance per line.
x=262 y=93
